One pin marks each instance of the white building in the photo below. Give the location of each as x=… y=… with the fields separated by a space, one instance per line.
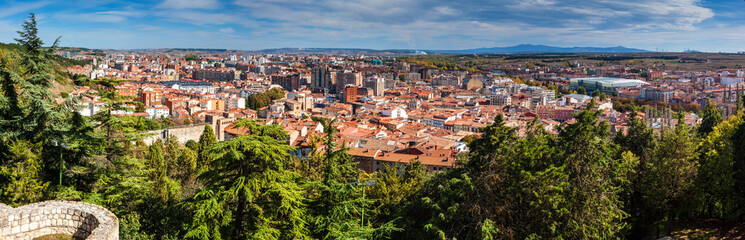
x=158 y=112
x=730 y=80
x=97 y=73
x=201 y=86
x=235 y=102
x=89 y=109
x=397 y=112
x=500 y=99
x=377 y=84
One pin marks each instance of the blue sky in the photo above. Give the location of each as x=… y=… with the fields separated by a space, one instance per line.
x=673 y=25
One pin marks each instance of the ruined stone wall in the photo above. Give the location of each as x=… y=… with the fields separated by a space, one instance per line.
x=77 y=219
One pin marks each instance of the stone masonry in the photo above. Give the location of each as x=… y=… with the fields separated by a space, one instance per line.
x=77 y=219
x=183 y=133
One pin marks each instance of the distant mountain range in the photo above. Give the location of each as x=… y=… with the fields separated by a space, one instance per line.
x=531 y=48
x=333 y=50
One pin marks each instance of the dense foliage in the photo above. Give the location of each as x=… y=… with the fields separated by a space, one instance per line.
x=190 y=57
x=260 y=100
x=443 y=62
x=584 y=183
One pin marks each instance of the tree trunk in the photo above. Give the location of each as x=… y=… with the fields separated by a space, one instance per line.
x=238 y=227
x=109 y=136
x=669 y=223
x=657 y=225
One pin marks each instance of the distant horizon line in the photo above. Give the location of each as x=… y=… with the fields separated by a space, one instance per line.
x=438 y=51
x=356 y=48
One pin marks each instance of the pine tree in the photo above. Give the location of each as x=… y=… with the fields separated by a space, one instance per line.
x=640 y=141
x=717 y=176
x=108 y=122
x=588 y=161
x=264 y=198
x=27 y=110
x=127 y=190
x=339 y=207
x=40 y=115
x=210 y=215
x=488 y=195
x=337 y=164
x=9 y=104
x=310 y=167
x=82 y=144
x=392 y=190
x=738 y=163
x=10 y=107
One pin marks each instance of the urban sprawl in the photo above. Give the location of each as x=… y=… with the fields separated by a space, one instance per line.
x=389 y=111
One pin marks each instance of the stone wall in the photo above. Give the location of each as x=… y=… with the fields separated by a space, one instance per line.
x=183 y=133
x=77 y=219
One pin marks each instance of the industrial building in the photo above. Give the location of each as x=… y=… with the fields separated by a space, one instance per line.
x=606 y=85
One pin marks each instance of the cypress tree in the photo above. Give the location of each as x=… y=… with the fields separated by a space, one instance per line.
x=206 y=141
x=711 y=118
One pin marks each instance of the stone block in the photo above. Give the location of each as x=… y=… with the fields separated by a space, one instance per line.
x=58 y=217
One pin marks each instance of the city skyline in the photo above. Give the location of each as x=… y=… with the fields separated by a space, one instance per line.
x=711 y=26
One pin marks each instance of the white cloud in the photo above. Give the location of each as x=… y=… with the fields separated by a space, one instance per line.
x=105 y=17
x=189 y=4
x=13 y=9
x=227 y=30
x=445 y=10
x=150 y=28
x=532 y=4
x=421 y=24
x=667 y=14
x=200 y=18
x=415 y=22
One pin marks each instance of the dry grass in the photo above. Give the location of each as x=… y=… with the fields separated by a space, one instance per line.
x=710 y=229
x=57 y=237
